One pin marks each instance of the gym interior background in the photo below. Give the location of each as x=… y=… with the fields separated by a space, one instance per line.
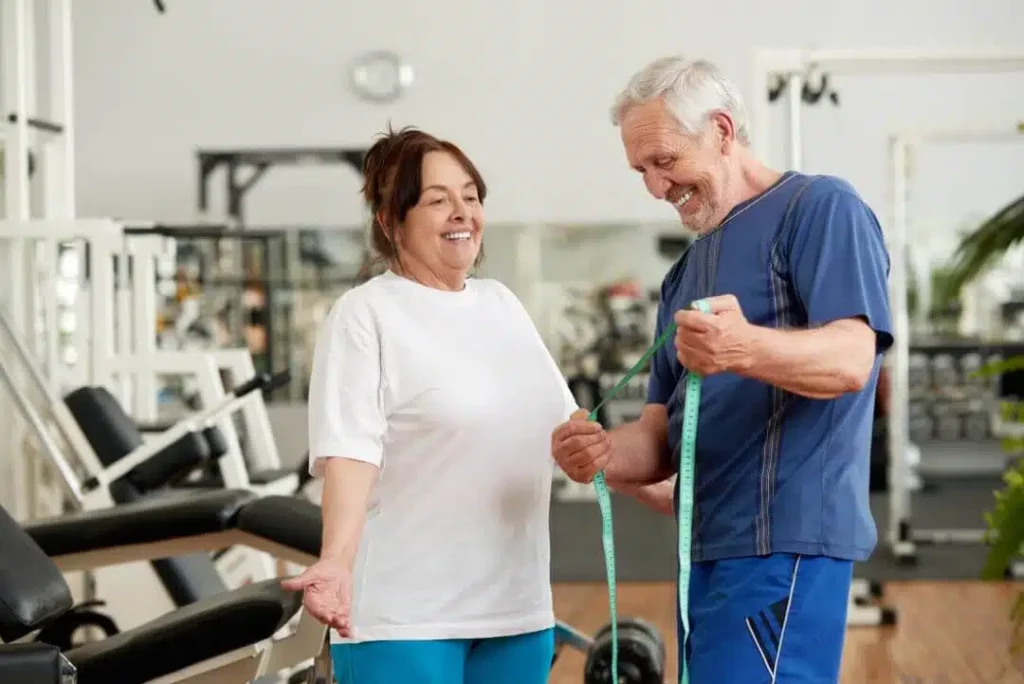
x=181 y=207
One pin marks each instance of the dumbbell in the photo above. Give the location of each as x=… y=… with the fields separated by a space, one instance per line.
x=919 y=374
x=945 y=373
x=641 y=655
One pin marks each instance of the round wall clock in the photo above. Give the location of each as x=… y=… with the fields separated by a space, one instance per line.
x=380 y=76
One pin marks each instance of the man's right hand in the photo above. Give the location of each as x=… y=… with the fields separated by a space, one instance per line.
x=581 y=447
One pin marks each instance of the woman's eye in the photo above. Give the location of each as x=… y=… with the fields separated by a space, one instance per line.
x=472 y=200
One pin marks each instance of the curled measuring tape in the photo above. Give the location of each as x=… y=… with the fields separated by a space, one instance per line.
x=687 y=456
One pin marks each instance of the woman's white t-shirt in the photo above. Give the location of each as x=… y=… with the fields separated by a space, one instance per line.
x=454 y=395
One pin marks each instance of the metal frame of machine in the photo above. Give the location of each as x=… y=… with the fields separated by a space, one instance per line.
x=34 y=147
x=902 y=538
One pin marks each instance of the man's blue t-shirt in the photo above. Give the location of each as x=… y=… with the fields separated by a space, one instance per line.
x=777 y=472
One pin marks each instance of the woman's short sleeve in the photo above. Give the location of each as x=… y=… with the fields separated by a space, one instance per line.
x=346 y=416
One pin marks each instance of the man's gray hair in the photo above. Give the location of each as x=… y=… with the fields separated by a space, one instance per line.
x=691 y=89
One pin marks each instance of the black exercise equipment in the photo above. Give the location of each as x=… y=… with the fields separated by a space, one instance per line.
x=641 y=652
x=61 y=632
x=35 y=663
x=114 y=436
x=199 y=521
x=258 y=161
x=289 y=527
x=809 y=94
x=641 y=655
x=33 y=593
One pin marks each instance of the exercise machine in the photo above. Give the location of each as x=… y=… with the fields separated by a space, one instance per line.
x=902 y=538
x=252 y=458
x=119 y=347
x=288 y=528
x=236 y=636
x=102 y=460
x=30 y=315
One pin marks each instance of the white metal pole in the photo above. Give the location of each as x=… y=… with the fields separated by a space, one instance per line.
x=124 y=320
x=17 y=200
x=760 y=113
x=899 y=368
x=794 y=107
x=58 y=164
x=62 y=101
x=144 y=250
x=101 y=271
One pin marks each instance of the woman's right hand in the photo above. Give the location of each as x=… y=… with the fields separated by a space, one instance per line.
x=327 y=593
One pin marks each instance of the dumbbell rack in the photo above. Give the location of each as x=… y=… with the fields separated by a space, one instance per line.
x=942 y=389
x=947 y=404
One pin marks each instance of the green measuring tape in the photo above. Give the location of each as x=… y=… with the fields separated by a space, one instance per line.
x=687 y=456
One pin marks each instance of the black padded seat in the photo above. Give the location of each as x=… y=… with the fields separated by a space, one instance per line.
x=32 y=589
x=113 y=435
x=155 y=518
x=187 y=636
x=288 y=520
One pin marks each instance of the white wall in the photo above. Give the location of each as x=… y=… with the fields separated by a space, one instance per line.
x=523 y=86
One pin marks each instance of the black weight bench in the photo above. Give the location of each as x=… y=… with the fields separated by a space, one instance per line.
x=113 y=435
x=230 y=634
x=202 y=631
x=286 y=527
x=156 y=519
x=178 y=522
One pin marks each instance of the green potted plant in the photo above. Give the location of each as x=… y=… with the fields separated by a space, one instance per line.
x=977 y=252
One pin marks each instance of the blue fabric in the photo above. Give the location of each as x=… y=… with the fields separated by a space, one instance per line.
x=778 y=619
x=776 y=472
x=518 y=659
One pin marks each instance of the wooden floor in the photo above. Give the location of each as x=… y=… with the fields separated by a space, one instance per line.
x=947 y=632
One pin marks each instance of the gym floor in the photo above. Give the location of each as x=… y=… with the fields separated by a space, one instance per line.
x=948 y=632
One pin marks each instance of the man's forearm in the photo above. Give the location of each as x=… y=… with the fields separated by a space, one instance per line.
x=657 y=496
x=640 y=449
x=820 y=363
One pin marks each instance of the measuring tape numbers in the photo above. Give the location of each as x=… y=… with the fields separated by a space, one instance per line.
x=687 y=457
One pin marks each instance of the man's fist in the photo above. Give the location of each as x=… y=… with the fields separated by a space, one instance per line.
x=714 y=342
x=581 y=447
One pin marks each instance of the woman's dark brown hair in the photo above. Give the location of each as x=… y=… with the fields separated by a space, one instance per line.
x=393 y=180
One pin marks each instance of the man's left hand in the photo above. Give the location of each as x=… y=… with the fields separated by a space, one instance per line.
x=715 y=342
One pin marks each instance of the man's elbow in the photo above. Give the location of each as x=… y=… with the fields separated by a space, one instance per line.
x=855 y=379
x=860 y=363
x=857 y=360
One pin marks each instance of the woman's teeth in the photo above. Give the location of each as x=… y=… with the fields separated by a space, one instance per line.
x=684 y=198
x=461 y=235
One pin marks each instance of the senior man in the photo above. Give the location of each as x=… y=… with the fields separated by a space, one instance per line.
x=795 y=270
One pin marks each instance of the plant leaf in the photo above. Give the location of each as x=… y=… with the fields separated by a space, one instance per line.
x=981 y=248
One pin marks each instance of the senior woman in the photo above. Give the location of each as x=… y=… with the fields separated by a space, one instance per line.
x=431 y=406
